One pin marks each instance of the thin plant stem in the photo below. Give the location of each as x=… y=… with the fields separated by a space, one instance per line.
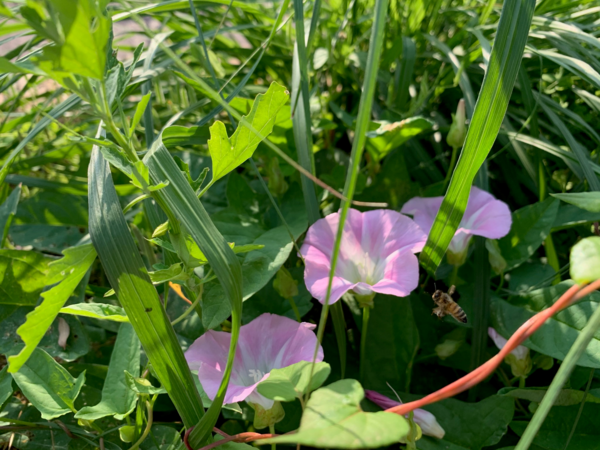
x=363 y=341
x=587 y=390
x=272 y=431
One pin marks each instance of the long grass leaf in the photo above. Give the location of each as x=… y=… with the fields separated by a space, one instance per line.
x=487 y=118
x=127 y=275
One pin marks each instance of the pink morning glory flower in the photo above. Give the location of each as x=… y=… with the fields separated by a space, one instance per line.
x=427 y=421
x=485 y=216
x=268 y=342
x=376 y=254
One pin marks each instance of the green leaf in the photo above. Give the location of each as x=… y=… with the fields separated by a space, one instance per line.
x=259 y=266
x=117 y=399
x=6 y=389
x=570 y=216
x=142 y=385
x=557 y=427
x=390 y=135
x=590 y=201
x=585 y=260
x=22 y=276
x=391 y=344
x=52 y=208
x=67 y=272
x=347 y=425
x=100 y=311
x=292 y=382
x=228 y=153
x=125 y=270
x=8 y=209
x=45 y=238
x=469 y=426
x=489 y=112
x=184 y=136
x=48 y=385
x=558 y=333
x=139 y=112
x=531 y=225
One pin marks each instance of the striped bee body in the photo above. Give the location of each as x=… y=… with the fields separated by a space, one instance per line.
x=447 y=306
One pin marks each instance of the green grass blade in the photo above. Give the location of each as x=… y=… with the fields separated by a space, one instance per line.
x=362 y=123
x=188 y=209
x=487 y=118
x=301 y=115
x=128 y=277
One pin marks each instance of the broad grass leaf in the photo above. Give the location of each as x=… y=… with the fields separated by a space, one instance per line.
x=570 y=216
x=558 y=334
x=23 y=275
x=117 y=398
x=68 y=273
x=228 y=153
x=333 y=418
x=531 y=224
x=96 y=311
x=48 y=385
x=292 y=382
x=125 y=271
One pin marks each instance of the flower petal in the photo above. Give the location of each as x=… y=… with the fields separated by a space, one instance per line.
x=386 y=231
x=423 y=210
x=485 y=216
x=401 y=275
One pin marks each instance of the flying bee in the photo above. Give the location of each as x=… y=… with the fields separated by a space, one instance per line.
x=445 y=305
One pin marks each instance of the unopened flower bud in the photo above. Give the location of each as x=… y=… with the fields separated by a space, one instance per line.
x=519 y=359
x=458 y=129
x=497 y=262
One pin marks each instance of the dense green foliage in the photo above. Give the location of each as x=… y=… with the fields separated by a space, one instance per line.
x=157 y=153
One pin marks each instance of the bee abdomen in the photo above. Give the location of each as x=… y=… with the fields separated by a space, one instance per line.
x=459 y=314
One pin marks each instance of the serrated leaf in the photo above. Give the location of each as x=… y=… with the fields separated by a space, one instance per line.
x=346 y=426
x=292 y=382
x=117 y=399
x=48 y=385
x=228 y=153
x=142 y=385
x=67 y=272
x=100 y=311
x=22 y=276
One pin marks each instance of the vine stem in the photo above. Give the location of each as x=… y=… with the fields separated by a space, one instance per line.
x=482 y=372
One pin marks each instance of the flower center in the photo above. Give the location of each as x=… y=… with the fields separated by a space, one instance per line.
x=361 y=267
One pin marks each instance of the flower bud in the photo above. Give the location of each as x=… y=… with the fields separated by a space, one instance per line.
x=519 y=359
x=497 y=262
x=267 y=417
x=458 y=129
x=427 y=421
x=284 y=284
